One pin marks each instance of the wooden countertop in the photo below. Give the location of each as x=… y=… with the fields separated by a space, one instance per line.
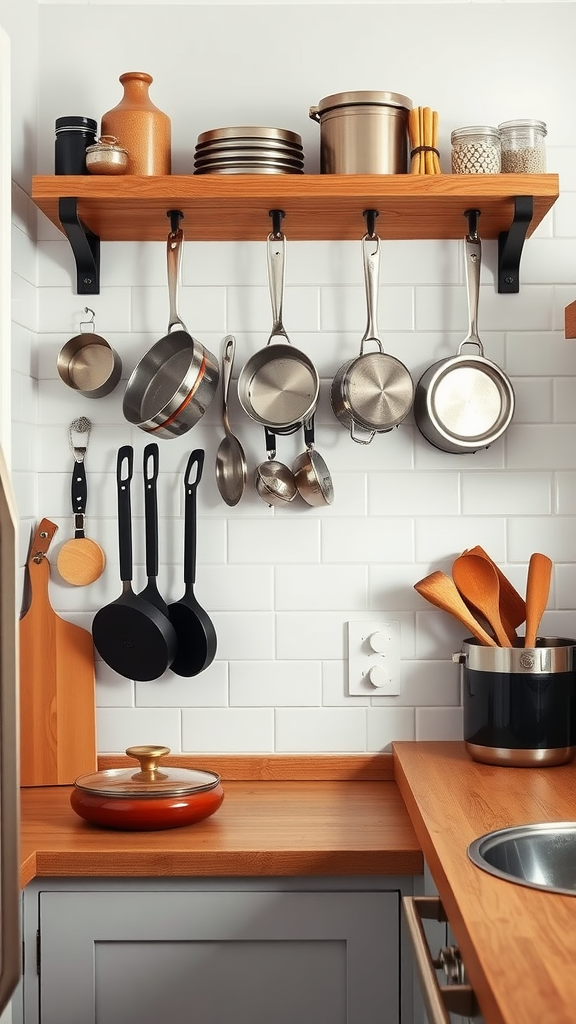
x=518 y=944
x=280 y=816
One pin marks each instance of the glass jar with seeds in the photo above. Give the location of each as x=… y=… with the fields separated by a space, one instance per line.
x=523 y=147
x=475 y=150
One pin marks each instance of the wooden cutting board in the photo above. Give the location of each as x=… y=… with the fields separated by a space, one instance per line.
x=57 y=683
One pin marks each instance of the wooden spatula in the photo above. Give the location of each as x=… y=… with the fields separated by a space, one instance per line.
x=440 y=590
x=537 y=591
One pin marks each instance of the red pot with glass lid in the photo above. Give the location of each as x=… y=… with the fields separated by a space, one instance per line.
x=152 y=797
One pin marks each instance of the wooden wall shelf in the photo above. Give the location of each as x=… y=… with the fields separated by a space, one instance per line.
x=324 y=206
x=570 y=321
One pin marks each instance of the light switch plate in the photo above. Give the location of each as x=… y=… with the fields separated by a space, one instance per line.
x=374 y=658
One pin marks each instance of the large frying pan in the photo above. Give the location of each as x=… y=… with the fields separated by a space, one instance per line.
x=131 y=634
x=194 y=629
x=466 y=402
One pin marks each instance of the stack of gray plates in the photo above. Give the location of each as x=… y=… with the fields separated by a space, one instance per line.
x=249 y=150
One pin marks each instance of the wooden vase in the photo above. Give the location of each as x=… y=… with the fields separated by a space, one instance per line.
x=140 y=127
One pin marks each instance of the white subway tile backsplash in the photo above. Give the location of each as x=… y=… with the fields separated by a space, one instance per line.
x=444 y=537
x=335 y=687
x=553 y=535
x=541 y=446
x=275 y=684
x=536 y=400
x=564 y=404
x=384 y=725
x=327 y=586
x=228 y=731
x=565 y=493
x=320 y=730
x=275 y=541
x=368 y=540
x=118 y=728
x=506 y=494
x=439 y=724
x=344 y=309
x=400 y=494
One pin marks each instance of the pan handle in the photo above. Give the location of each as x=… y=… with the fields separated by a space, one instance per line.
x=371 y=254
x=192 y=477
x=124 y=468
x=309 y=433
x=174 y=261
x=150 y=472
x=473 y=250
x=276 y=269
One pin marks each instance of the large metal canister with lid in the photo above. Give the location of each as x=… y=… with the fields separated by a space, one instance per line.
x=519 y=702
x=363 y=132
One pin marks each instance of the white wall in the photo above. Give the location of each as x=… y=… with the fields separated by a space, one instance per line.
x=280 y=585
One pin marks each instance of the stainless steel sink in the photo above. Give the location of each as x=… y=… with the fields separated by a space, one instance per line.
x=541 y=856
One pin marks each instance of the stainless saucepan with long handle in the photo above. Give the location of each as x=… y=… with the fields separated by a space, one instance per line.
x=372 y=393
x=466 y=402
x=279 y=386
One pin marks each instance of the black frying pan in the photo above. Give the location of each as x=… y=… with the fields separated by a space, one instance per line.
x=151 y=593
x=130 y=634
x=194 y=628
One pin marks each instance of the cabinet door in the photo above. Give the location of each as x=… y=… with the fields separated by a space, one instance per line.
x=219 y=957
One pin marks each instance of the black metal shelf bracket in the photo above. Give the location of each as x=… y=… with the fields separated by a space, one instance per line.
x=85 y=247
x=510 y=245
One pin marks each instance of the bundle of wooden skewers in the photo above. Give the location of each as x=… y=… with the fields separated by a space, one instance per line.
x=423 y=132
x=482 y=598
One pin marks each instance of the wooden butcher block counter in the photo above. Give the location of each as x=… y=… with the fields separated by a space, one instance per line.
x=518 y=944
x=280 y=816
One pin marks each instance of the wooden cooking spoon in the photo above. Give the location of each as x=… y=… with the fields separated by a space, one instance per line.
x=441 y=591
x=477 y=582
x=512 y=604
x=537 y=591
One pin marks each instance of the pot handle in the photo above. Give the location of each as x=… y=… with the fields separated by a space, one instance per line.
x=314 y=114
x=276 y=267
x=358 y=438
x=473 y=251
x=309 y=433
x=371 y=256
x=174 y=261
x=270 y=443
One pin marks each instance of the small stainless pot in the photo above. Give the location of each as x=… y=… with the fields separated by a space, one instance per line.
x=88 y=364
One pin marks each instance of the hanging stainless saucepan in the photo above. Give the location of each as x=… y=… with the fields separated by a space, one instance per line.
x=466 y=402
x=176 y=380
x=373 y=392
x=88 y=364
x=278 y=387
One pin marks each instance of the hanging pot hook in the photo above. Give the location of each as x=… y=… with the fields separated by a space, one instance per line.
x=91 y=323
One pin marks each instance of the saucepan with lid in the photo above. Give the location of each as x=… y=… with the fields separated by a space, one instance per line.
x=466 y=402
x=152 y=797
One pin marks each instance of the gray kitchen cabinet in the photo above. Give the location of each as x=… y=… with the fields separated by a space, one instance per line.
x=214 y=951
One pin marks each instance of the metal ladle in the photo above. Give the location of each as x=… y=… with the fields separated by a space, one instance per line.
x=273 y=480
x=231 y=467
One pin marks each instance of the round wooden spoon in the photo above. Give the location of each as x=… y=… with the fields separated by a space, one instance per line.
x=537 y=591
x=440 y=590
x=478 y=584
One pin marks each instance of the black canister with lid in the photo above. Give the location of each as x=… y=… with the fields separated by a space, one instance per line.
x=73 y=135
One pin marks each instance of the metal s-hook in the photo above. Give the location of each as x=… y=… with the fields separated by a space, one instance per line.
x=277 y=217
x=370 y=216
